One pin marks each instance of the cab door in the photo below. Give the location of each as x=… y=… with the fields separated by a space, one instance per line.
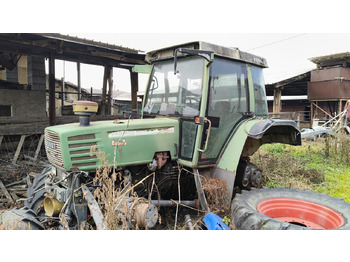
x=191 y=131
x=228 y=102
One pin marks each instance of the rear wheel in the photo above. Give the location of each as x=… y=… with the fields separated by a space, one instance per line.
x=20 y=219
x=279 y=208
x=36 y=193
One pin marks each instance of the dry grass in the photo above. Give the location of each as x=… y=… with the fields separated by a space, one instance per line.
x=117 y=204
x=217 y=195
x=284 y=170
x=337 y=147
x=107 y=194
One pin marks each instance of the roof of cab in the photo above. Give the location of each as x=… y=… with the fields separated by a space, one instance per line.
x=232 y=53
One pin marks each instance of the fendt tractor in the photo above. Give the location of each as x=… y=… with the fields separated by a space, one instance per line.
x=204 y=115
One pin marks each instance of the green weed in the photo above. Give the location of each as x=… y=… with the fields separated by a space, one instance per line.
x=320 y=166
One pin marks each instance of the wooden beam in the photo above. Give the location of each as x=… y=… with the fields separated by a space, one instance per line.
x=134 y=88
x=19 y=147
x=25 y=129
x=62 y=93
x=104 y=92
x=6 y=193
x=277 y=93
x=52 y=100
x=110 y=89
x=79 y=84
x=38 y=147
x=312 y=113
x=322 y=110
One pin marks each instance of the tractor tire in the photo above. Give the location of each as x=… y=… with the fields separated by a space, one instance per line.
x=20 y=219
x=36 y=193
x=288 y=209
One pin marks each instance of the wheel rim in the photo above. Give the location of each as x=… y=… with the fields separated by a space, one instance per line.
x=301 y=212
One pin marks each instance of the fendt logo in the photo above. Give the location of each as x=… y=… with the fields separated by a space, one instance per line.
x=51 y=145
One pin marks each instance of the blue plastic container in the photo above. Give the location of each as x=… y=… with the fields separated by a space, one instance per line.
x=214 y=222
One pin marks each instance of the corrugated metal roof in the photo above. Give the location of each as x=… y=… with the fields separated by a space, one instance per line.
x=331 y=60
x=85 y=41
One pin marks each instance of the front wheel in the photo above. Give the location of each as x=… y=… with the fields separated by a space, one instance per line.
x=280 y=209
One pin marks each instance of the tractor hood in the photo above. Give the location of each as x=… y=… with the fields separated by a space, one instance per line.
x=132 y=142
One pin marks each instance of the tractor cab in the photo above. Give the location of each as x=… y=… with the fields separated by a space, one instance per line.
x=210 y=89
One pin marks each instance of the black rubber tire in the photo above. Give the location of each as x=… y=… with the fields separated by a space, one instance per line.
x=20 y=219
x=35 y=193
x=245 y=216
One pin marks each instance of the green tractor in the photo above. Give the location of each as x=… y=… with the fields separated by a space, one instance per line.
x=204 y=114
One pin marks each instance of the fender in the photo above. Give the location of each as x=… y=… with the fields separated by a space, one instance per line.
x=246 y=139
x=276 y=131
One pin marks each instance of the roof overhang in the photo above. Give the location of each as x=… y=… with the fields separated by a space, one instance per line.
x=293 y=86
x=331 y=60
x=70 y=49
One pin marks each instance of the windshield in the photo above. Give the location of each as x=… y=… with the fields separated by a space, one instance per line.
x=175 y=94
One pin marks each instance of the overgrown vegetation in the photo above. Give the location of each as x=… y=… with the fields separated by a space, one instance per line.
x=321 y=166
x=106 y=193
x=117 y=210
x=217 y=195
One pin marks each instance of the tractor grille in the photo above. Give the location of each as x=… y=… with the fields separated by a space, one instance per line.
x=80 y=152
x=53 y=148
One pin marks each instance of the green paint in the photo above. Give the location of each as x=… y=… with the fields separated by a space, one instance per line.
x=202 y=113
x=251 y=90
x=142 y=69
x=144 y=137
x=230 y=156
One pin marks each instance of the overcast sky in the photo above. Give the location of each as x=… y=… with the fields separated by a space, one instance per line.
x=287 y=54
x=235 y=23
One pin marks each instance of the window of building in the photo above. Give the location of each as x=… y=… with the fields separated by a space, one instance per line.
x=5 y=110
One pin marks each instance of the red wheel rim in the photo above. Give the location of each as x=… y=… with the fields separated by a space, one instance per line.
x=301 y=212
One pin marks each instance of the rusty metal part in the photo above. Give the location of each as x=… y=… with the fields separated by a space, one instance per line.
x=330 y=74
x=327 y=90
x=119 y=143
x=170 y=203
x=139 y=212
x=161 y=158
x=145 y=215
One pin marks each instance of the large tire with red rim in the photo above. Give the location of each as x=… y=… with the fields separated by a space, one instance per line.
x=281 y=209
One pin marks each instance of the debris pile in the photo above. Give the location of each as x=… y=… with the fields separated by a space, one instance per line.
x=18 y=169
